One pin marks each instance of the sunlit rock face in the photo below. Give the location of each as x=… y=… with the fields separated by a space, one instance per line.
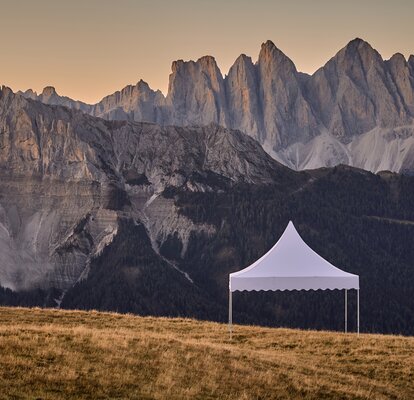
x=245 y=106
x=287 y=116
x=357 y=91
x=135 y=103
x=68 y=178
x=196 y=93
x=51 y=97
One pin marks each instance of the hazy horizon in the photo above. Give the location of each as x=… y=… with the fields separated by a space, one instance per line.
x=87 y=50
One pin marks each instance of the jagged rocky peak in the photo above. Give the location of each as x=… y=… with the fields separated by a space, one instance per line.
x=359 y=44
x=5 y=90
x=269 y=47
x=134 y=102
x=403 y=79
x=139 y=89
x=243 y=60
x=353 y=93
x=242 y=76
x=209 y=67
x=400 y=70
x=243 y=69
x=196 y=94
x=398 y=59
x=142 y=87
x=49 y=91
x=242 y=91
x=411 y=61
x=142 y=84
x=205 y=66
x=50 y=96
x=30 y=94
x=273 y=57
x=208 y=62
x=8 y=99
x=287 y=116
x=358 y=57
x=177 y=65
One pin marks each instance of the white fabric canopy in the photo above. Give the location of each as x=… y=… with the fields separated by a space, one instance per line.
x=292 y=265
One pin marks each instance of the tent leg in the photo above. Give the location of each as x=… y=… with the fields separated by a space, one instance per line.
x=346 y=310
x=230 y=314
x=358 y=311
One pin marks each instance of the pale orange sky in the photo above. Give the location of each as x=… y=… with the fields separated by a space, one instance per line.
x=88 y=49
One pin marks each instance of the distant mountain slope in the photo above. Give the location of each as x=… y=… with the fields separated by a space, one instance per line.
x=357 y=109
x=67 y=179
x=135 y=217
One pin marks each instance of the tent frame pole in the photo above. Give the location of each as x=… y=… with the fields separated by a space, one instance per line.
x=346 y=310
x=230 y=314
x=358 y=311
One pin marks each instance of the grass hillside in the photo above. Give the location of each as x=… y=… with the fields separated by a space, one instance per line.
x=53 y=354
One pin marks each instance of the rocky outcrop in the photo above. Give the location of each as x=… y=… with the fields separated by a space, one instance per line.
x=196 y=94
x=303 y=121
x=402 y=81
x=245 y=106
x=133 y=103
x=287 y=117
x=51 y=97
x=357 y=91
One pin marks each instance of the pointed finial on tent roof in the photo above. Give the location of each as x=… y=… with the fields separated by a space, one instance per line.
x=290 y=225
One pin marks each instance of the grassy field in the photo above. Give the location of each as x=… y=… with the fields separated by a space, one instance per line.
x=51 y=354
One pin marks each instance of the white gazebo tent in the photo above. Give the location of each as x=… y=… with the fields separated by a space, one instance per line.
x=292 y=265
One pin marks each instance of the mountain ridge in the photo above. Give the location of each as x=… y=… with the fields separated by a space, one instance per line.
x=304 y=121
x=69 y=178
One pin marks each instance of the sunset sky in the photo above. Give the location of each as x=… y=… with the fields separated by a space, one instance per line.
x=90 y=48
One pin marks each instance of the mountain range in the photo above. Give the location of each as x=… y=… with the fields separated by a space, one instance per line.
x=150 y=218
x=358 y=109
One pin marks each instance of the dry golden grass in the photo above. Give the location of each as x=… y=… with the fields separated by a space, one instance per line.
x=51 y=354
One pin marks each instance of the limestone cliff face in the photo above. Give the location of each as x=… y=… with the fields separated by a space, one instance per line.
x=68 y=178
x=357 y=91
x=135 y=103
x=196 y=93
x=411 y=67
x=244 y=102
x=287 y=116
x=402 y=82
x=51 y=97
x=303 y=121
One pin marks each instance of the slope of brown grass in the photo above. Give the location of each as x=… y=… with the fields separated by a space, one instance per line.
x=50 y=354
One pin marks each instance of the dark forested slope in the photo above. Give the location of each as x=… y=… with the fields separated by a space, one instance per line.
x=361 y=222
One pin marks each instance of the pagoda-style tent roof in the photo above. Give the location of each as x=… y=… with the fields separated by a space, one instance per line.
x=292 y=265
